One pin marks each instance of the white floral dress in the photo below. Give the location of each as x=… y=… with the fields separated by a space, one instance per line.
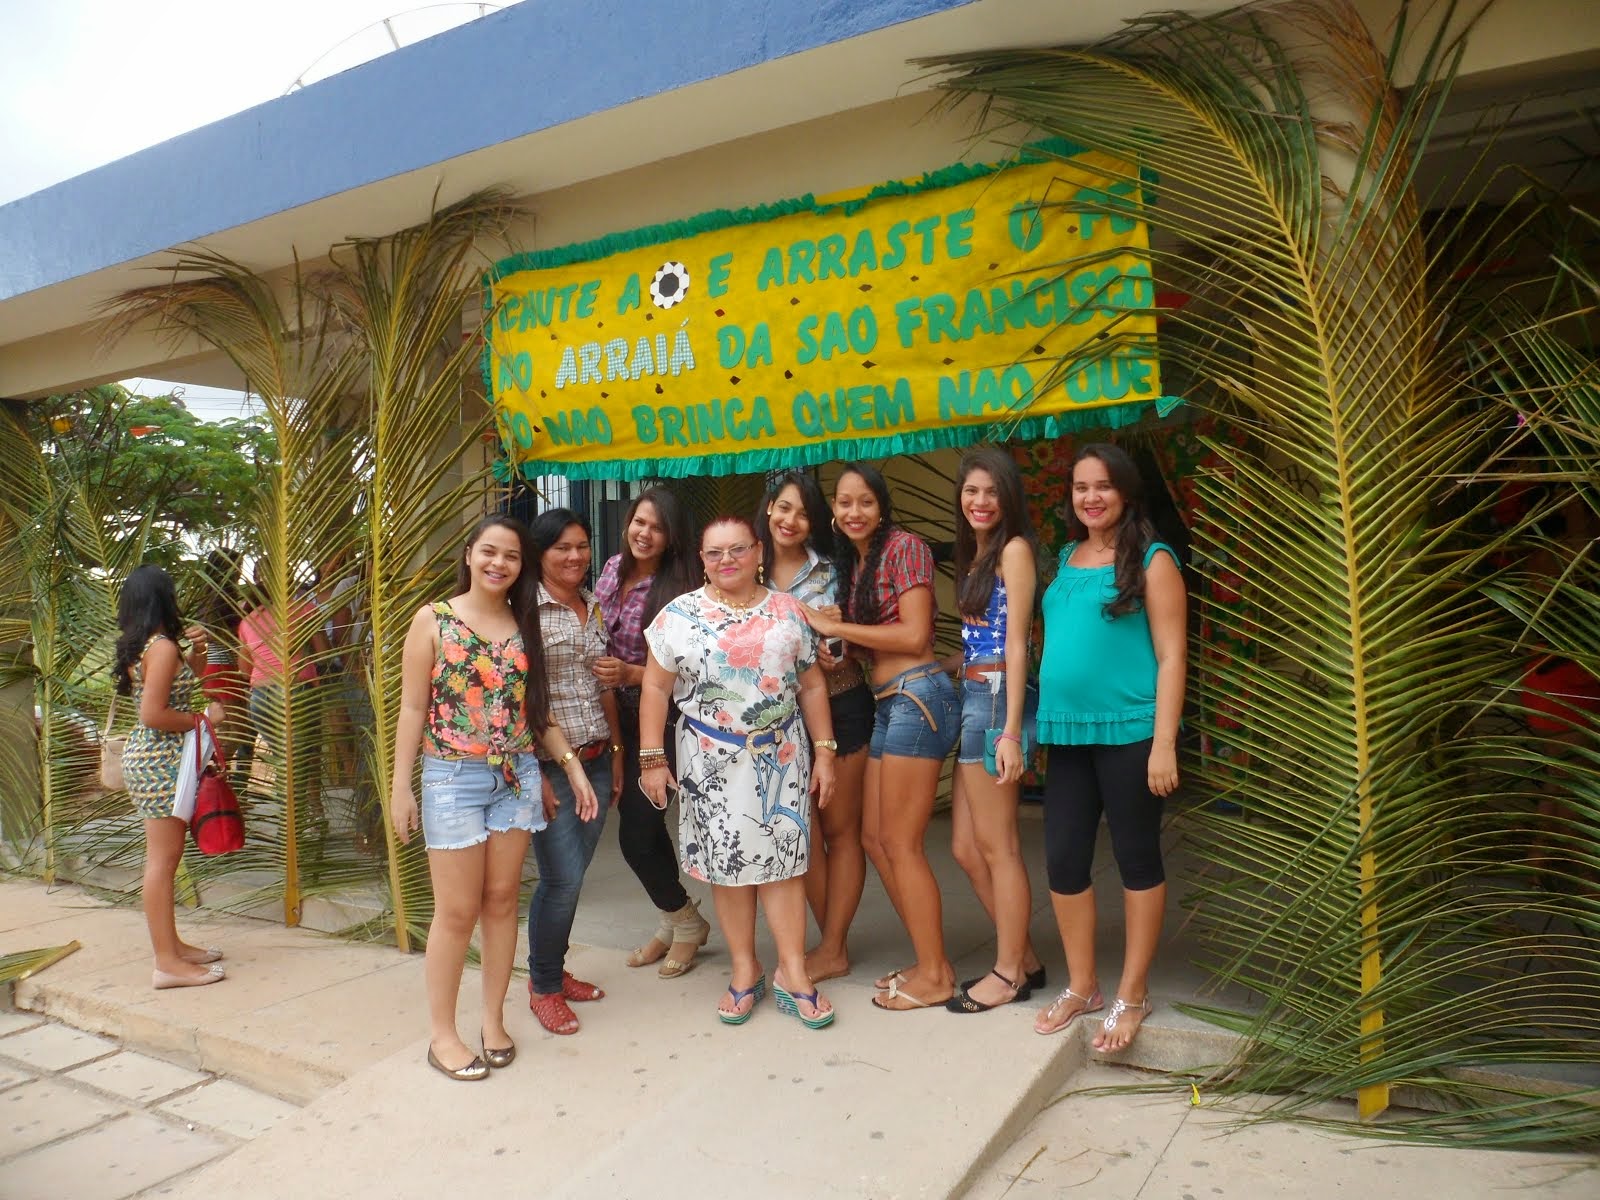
x=744 y=762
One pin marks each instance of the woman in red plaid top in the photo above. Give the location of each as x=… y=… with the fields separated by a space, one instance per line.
x=888 y=614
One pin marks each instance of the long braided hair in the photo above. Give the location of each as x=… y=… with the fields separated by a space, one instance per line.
x=859 y=604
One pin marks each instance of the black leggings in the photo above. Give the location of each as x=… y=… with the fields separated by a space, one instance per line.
x=641 y=827
x=1080 y=783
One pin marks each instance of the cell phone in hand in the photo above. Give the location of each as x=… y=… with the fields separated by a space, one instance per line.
x=835 y=647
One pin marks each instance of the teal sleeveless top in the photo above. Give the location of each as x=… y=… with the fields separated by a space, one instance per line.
x=1097 y=678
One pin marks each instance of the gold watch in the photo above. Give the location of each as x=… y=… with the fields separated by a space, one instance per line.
x=567 y=757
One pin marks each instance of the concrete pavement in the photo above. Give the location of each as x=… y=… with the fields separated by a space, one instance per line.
x=654 y=1097
x=83 y=1117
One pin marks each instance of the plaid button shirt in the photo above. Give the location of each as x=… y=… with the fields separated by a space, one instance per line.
x=623 y=614
x=571 y=648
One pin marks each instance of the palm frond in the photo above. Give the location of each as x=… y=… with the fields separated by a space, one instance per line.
x=1373 y=890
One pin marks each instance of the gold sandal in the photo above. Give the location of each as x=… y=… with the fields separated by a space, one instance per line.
x=641 y=956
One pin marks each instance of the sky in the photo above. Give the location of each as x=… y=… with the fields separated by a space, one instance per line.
x=85 y=82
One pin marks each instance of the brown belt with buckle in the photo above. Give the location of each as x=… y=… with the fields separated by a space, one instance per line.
x=587 y=752
x=984 y=671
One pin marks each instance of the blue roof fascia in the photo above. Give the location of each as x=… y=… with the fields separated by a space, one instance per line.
x=532 y=66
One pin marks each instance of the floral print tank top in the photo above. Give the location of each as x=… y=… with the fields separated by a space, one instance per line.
x=476 y=705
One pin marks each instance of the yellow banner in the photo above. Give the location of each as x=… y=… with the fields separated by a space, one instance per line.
x=918 y=315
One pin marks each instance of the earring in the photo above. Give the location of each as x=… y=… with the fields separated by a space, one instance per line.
x=761 y=573
x=707 y=574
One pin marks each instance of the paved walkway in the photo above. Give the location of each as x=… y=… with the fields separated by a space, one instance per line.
x=83 y=1117
x=654 y=1097
x=1156 y=1147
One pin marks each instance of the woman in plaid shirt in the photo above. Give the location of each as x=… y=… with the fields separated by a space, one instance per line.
x=574 y=636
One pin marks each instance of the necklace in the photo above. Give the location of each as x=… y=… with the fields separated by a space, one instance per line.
x=739 y=607
x=1105 y=549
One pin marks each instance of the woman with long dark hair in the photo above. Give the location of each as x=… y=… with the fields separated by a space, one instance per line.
x=152 y=667
x=997 y=572
x=797 y=547
x=1111 y=688
x=655 y=565
x=475 y=701
x=574 y=641
x=888 y=615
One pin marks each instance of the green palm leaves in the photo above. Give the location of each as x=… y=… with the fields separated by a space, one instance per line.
x=1375 y=890
x=364 y=367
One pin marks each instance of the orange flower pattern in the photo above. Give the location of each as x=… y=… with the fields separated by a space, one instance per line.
x=744 y=762
x=476 y=705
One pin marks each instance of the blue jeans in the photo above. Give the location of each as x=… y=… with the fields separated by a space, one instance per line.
x=563 y=850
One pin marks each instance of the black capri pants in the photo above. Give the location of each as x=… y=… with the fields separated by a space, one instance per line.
x=1081 y=782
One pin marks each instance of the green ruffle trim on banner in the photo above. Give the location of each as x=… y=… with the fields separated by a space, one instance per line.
x=727 y=218
x=842 y=449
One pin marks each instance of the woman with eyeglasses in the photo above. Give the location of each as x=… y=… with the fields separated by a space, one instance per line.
x=656 y=564
x=741 y=662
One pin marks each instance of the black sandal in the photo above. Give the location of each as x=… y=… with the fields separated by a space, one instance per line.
x=962 y=1001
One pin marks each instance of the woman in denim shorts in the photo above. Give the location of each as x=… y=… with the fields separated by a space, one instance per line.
x=996 y=574
x=888 y=614
x=475 y=701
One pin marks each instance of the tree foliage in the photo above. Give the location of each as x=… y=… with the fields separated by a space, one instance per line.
x=196 y=479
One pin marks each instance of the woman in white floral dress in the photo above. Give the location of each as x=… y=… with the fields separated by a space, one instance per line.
x=742 y=664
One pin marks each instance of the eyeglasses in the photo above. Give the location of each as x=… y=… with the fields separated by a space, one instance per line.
x=739 y=551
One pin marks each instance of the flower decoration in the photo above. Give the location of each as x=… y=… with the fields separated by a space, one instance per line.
x=670 y=285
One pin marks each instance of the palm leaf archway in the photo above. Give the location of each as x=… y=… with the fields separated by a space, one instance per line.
x=364 y=368
x=1374 y=891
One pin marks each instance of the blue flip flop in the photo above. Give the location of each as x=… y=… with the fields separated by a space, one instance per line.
x=787 y=1004
x=758 y=989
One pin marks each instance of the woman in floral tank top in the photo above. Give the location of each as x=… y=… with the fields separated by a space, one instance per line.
x=475 y=702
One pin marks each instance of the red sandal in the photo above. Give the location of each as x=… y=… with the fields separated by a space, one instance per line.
x=553 y=1013
x=577 y=990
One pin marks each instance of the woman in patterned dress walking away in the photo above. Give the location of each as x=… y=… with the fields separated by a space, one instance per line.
x=741 y=662
x=162 y=680
x=475 y=701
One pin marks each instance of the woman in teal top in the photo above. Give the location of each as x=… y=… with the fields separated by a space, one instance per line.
x=1110 y=696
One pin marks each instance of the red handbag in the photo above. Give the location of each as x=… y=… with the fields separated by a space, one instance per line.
x=217 y=825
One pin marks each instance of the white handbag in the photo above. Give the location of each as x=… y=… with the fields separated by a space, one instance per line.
x=111 y=749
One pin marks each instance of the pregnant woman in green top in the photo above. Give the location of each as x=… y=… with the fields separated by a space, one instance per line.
x=1110 y=697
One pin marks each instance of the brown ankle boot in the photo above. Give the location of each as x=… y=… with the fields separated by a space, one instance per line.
x=689 y=929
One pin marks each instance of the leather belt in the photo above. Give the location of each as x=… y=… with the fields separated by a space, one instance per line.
x=896 y=687
x=846 y=678
x=760 y=740
x=983 y=672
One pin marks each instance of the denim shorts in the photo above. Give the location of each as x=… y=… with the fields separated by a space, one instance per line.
x=983 y=707
x=918 y=717
x=464 y=800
